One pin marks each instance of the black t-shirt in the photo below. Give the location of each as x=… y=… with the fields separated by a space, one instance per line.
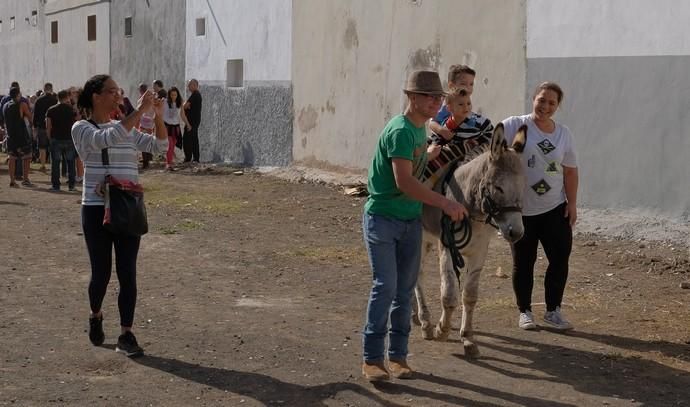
x=41 y=106
x=194 y=112
x=62 y=116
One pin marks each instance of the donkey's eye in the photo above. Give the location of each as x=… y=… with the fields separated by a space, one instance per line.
x=499 y=189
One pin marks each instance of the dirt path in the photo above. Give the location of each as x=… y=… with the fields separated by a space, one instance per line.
x=252 y=292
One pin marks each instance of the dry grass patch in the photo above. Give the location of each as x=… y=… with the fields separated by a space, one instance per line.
x=352 y=255
x=160 y=194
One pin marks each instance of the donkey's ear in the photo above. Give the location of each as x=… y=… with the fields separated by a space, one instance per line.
x=498 y=142
x=520 y=139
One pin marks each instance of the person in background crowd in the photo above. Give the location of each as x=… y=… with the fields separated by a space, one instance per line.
x=43 y=103
x=146 y=126
x=172 y=115
x=15 y=113
x=192 y=106
x=59 y=121
x=159 y=90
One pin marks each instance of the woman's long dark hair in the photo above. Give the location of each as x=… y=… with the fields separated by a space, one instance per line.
x=177 y=101
x=93 y=85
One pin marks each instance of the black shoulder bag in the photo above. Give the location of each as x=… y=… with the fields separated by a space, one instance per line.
x=125 y=211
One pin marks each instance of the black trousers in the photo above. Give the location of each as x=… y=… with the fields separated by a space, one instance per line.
x=553 y=231
x=190 y=144
x=99 y=243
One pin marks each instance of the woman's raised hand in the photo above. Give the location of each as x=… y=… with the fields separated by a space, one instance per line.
x=146 y=100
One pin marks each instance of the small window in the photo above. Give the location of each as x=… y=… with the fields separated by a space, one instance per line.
x=53 y=32
x=91 y=27
x=34 y=18
x=200 y=27
x=0 y=26
x=11 y=23
x=128 y=26
x=234 y=73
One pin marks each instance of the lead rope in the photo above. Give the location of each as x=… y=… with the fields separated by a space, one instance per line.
x=450 y=230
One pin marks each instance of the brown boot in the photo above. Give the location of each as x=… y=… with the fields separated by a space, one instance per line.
x=400 y=369
x=375 y=371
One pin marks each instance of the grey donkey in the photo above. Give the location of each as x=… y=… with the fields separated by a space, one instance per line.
x=488 y=183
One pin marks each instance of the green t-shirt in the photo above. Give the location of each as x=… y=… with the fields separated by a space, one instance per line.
x=399 y=139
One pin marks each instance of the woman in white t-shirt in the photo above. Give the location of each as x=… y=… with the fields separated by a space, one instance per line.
x=172 y=115
x=549 y=205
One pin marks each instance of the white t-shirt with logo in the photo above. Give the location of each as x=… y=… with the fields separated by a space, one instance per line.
x=544 y=157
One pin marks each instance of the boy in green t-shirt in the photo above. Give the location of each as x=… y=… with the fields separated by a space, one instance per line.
x=392 y=225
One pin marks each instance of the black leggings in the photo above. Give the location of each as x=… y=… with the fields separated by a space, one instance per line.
x=99 y=243
x=553 y=230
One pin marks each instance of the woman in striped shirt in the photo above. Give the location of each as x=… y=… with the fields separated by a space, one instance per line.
x=101 y=95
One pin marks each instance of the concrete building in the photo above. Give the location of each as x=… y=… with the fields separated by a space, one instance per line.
x=313 y=82
x=76 y=42
x=241 y=53
x=22 y=25
x=147 y=42
x=627 y=93
x=351 y=59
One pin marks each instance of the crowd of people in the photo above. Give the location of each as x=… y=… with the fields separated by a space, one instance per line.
x=38 y=129
x=403 y=171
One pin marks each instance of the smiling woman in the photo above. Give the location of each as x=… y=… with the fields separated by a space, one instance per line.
x=549 y=205
x=95 y=139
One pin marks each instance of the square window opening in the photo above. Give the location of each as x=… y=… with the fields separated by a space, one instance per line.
x=91 y=27
x=200 y=27
x=234 y=73
x=53 y=32
x=128 y=26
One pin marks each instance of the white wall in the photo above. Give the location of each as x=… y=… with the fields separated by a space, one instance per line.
x=21 y=51
x=623 y=65
x=585 y=28
x=74 y=59
x=351 y=58
x=258 y=31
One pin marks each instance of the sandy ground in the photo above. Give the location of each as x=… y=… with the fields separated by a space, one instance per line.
x=252 y=292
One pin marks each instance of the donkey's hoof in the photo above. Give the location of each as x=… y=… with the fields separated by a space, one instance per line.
x=416 y=320
x=440 y=334
x=471 y=350
x=428 y=332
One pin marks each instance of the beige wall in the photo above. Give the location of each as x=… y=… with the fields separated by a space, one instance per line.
x=351 y=57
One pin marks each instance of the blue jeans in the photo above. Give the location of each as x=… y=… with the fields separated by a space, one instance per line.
x=394 y=248
x=58 y=149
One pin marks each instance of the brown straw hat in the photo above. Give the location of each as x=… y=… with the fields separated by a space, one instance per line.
x=426 y=82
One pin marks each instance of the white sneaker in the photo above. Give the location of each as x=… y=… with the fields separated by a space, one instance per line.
x=527 y=321
x=556 y=320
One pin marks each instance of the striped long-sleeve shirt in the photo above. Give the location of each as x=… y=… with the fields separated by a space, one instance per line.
x=123 y=154
x=476 y=128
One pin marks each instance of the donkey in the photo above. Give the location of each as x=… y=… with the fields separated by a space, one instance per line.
x=490 y=185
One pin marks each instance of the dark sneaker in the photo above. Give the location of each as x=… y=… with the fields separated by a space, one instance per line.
x=96 y=334
x=127 y=344
x=72 y=189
